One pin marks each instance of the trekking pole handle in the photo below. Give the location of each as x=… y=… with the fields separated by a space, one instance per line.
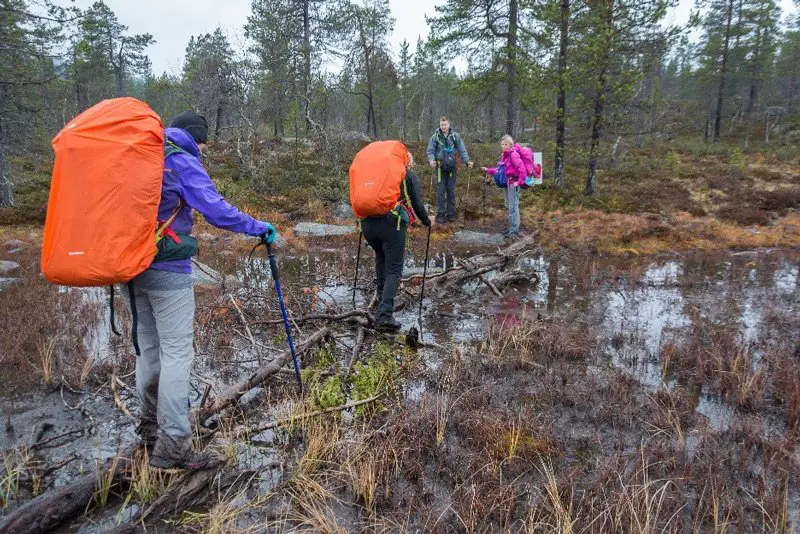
x=265 y=241
x=273 y=266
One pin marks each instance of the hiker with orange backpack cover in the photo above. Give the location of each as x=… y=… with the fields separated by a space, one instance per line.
x=165 y=297
x=385 y=195
x=513 y=169
x=120 y=212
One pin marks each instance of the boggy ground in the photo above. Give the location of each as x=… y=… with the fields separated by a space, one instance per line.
x=657 y=394
x=554 y=422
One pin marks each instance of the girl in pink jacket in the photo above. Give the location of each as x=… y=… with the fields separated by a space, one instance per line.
x=515 y=175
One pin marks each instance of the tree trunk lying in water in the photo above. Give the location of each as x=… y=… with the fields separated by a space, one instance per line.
x=232 y=394
x=50 y=509
x=193 y=490
x=469 y=269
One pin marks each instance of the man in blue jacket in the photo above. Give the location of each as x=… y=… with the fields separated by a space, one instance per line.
x=164 y=298
x=442 y=148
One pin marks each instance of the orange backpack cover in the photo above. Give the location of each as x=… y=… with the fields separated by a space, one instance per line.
x=104 y=195
x=375 y=177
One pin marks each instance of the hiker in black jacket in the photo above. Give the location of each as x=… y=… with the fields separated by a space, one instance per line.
x=387 y=236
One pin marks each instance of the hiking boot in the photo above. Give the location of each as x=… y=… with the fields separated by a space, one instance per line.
x=191 y=461
x=147 y=432
x=389 y=326
x=439 y=220
x=451 y=219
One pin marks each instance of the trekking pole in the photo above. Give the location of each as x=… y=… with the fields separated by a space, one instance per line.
x=466 y=198
x=424 y=274
x=273 y=266
x=358 y=260
x=483 y=204
x=430 y=189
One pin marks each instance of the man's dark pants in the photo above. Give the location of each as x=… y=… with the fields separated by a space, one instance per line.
x=445 y=187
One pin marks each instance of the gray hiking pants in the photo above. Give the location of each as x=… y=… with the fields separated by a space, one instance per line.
x=166 y=332
x=446 y=195
x=389 y=245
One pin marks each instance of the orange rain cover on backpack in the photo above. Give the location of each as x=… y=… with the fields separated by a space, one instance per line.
x=104 y=196
x=375 y=177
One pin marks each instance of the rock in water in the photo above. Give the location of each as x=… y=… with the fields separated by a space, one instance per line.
x=8 y=282
x=478 y=238
x=322 y=230
x=343 y=210
x=8 y=266
x=14 y=243
x=204 y=277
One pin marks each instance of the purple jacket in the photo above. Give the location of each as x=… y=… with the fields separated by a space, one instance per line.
x=186 y=178
x=515 y=168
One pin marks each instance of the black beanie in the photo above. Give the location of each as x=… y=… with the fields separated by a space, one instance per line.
x=193 y=123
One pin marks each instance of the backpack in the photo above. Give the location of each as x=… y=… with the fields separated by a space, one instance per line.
x=376 y=175
x=527 y=158
x=500 y=178
x=104 y=195
x=532 y=168
x=446 y=154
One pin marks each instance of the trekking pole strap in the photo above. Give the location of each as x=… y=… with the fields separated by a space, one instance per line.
x=134 y=319
x=111 y=310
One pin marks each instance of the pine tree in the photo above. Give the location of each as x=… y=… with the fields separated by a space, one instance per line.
x=208 y=77
x=284 y=30
x=27 y=53
x=362 y=32
x=104 y=47
x=471 y=27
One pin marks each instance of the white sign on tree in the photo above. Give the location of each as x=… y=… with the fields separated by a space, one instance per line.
x=537 y=168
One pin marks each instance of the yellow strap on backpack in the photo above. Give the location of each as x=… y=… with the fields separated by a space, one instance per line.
x=163 y=228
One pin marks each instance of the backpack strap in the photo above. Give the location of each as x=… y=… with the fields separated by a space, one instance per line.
x=442 y=139
x=170 y=148
x=403 y=204
x=163 y=229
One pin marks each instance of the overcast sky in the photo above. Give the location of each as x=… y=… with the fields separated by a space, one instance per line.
x=172 y=22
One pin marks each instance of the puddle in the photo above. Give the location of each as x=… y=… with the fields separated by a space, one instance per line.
x=635 y=310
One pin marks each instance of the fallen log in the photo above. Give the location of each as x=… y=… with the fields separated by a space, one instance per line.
x=244 y=431
x=50 y=509
x=228 y=397
x=515 y=277
x=359 y=317
x=469 y=269
x=356 y=350
x=191 y=491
